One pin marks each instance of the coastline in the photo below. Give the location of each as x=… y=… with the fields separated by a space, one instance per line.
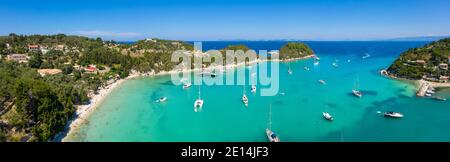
x=422 y=85
x=84 y=111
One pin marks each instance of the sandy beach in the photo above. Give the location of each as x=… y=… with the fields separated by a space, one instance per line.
x=83 y=111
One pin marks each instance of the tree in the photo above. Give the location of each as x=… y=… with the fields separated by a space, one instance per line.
x=67 y=69
x=77 y=74
x=35 y=60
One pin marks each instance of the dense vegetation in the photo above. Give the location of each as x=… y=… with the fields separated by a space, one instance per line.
x=418 y=63
x=295 y=50
x=35 y=107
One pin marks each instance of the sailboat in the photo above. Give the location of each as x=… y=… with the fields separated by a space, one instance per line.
x=244 y=98
x=355 y=91
x=316 y=62
x=289 y=69
x=198 y=104
x=253 y=90
x=270 y=134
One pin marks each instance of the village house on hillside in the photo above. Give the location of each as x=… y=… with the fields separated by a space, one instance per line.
x=443 y=66
x=32 y=47
x=60 y=47
x=421 y=62
x=91 y=68
x=21 y=58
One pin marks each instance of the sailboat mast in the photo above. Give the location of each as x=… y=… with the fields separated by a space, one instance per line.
x=270 y=117
x=199 y=92
x=357 y=83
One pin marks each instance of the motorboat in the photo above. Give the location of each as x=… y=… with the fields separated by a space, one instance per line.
x=327 y=116
x=322 y=82
x=392 y=114
x=187 y=85
x=334 y=64
x=366 y=56
x=162 y=99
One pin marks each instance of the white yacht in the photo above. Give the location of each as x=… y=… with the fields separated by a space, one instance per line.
x=322 y=82
x=244 y=98
x=392 y=114
x=253 y=90
x=198 y=104
x=270 y=134
x=356 y=93
x=366 y=56
x=316 y=58
x=355 y=90
x=187 y=85
x=334 y=64
x=162 y=99
x=327 y=116
x=289 y=69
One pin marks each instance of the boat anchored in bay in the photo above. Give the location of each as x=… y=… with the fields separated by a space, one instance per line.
x=355 y=90
x=271 y=134
x=391 y=114
x=162 y=99
x=327 y=116
x=244 y=98
x=198 y=104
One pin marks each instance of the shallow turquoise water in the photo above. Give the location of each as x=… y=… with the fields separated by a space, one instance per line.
x=130 y=113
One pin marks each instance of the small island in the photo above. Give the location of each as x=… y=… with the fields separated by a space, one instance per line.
x=428 y=65
x=294 y=51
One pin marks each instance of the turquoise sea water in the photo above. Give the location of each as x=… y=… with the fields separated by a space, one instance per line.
x=129 y=113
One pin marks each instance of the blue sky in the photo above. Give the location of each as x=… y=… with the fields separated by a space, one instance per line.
x=228 y=19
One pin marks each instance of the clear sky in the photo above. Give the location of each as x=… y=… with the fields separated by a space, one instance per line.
x=228 y=19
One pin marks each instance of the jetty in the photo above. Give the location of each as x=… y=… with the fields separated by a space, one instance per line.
x=423 y=87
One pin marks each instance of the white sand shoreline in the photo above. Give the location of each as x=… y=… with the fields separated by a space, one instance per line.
x=421 y=85
x=84 y=111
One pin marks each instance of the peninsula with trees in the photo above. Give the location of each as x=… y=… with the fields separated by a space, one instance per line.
x=427 y=64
